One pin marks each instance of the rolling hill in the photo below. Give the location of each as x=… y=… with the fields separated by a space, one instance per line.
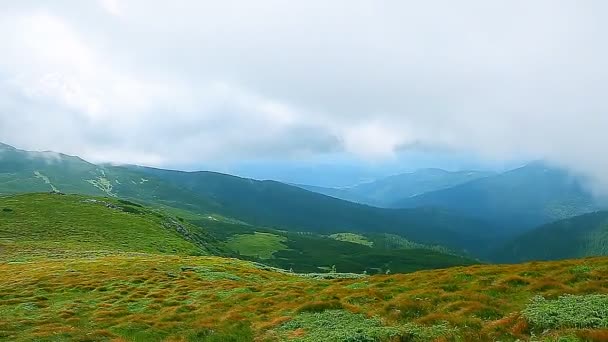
x=82 y=267
x=53 y=224
x=260 y=203
x=516 y=200
x=580 y=236
x=386 y=191
x=128 y=296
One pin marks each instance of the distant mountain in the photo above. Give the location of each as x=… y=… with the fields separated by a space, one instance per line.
x=274 y=204
x=580 y=236
x=262 y=203
x=386 y=191
x=516 y=200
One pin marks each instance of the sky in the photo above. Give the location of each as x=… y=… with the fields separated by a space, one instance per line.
x=273 y=87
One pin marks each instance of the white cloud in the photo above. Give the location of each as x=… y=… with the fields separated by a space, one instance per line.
x=112 y=6
x=157 y=82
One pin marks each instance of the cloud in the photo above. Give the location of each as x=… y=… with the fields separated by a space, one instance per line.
x=195 y=81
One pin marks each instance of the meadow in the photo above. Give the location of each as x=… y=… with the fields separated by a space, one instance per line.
x=145 y=297
x=78 y=268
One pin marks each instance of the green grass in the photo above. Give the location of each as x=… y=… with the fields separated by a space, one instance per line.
x=50 y=224
x=586 y=311
x=259 y=245
x=341 y=325
x=90 y=268
x=353 y=238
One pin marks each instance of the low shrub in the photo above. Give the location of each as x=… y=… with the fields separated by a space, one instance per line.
x=341 y=325
x=570 y=311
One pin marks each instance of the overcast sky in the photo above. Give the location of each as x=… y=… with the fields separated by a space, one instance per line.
x=198 y=82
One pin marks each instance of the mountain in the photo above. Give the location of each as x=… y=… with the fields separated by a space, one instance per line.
x=260 y=203
x=385 y=191
x=274 y=204
x=97 y=268
x=516 y=200
x=580 y=236
x=51 y=224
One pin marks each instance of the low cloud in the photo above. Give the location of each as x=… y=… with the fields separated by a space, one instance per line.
x=145 y=82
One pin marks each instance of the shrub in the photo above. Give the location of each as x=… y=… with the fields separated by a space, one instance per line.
x=340 y=325
x=7 y=210
x=320 y=306
x=130 y=203
x=570 y=311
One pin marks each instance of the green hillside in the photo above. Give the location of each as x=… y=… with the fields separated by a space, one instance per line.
x=260 y=203
x=45 y=224
x=274 y=204
x=76 y=268
x=516 y=200
x=386 y=191
x=310 y=252
x=581 y=236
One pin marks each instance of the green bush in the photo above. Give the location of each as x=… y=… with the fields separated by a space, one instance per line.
x=130 y=203
x=340 y=325
x=570 y=311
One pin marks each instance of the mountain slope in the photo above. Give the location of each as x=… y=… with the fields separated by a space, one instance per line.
x=25 y=171
x=581 y=236
x=385 y=191
x=261 y=203
x=274 y=204
x=165 y=298
x=517 y=200
x=43 y=224
x=308 y=252
x=50 y=224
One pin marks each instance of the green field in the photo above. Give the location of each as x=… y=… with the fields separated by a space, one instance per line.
x=259 y=245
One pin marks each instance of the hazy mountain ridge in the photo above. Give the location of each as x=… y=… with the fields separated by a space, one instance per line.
x=385 y=191
x=517 y=200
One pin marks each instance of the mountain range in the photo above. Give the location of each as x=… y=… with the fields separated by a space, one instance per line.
x=487 y=215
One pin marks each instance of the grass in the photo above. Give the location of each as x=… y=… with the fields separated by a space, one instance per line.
x=259 y=245
x=353 y=238
x=585 y=311
x=83 y=268
x=44 y=225
x=131 y=297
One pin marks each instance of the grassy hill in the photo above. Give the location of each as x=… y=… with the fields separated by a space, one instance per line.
x=44 y=224
x=386 y=191
x=516 y=200
x=260 y=203
x=76 y=267
x=585 y=235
